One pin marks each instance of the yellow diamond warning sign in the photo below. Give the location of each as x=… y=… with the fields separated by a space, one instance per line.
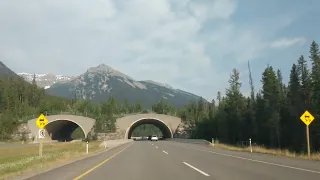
x=307 y=118
x=42 y=121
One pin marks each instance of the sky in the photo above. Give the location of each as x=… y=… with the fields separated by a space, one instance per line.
x=190 y=44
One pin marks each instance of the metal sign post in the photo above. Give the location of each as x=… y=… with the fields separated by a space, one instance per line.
x=40 y=148
x=307 y=118
x=308 y=140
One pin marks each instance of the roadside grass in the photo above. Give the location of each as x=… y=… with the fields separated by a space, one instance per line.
x=15 y=141
x=275 y=152
x=15 y=161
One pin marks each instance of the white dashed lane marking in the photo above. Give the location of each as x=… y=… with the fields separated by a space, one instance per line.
x=203 y=173
x=165 y=152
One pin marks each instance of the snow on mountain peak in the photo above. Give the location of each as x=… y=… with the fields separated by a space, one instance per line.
x=45 y=80
x=159 y=84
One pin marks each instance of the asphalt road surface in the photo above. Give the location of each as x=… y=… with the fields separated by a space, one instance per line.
x=145 y=160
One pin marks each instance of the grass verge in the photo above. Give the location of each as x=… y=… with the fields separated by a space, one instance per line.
x=263 y=150
x=15 y=161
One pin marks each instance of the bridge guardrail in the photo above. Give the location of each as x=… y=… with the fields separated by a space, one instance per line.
x=193 y=141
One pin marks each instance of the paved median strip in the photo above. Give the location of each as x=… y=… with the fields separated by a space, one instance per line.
x=164 y=152
x=203 y=173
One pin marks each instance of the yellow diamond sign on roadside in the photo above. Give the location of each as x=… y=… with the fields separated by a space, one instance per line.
x=307 y=118
x=42 y=121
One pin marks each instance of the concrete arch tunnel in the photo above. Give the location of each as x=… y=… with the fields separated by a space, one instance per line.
x=61 y=127
x=166 y=124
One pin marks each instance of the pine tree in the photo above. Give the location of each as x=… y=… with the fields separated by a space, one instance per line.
x=251 y=83
x=315 y=75
x=270 y=91
x=219 y=97
x=292 y=127
x=33 y=97
x=235 y=107
x=304 y=79
x=250 y=113
x=315 y=86
x=138 y=107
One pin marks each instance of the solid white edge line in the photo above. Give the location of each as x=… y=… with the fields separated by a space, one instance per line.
x=253 y=160
x=164 y=151
x=203 y=173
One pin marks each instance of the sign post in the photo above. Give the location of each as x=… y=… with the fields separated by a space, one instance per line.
x=250 y=145
x=41 y=122
x=307 y=118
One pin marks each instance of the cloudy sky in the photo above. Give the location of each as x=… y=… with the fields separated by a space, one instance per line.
x=190 y=44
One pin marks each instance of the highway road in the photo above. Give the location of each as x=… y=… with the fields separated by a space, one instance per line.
x=144 y=160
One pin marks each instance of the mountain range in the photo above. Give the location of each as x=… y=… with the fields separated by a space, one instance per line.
x=101 y=82
x=46 y=80
x=5 y=71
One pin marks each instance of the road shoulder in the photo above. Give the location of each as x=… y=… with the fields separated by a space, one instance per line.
x=66 y=166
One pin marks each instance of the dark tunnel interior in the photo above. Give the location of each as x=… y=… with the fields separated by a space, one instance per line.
x=163 y=127
x=61 y=130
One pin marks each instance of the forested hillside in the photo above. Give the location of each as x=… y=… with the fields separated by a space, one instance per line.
x=271 y=115
x=21 y=101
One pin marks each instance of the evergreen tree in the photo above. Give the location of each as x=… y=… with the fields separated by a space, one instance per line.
x=315 y=85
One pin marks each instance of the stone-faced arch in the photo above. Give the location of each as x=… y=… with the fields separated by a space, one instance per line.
x=63 y=124
x=164 y=128
x=167 y=124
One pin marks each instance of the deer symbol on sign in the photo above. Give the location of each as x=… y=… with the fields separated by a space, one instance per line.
x=41 y=122
x=307 y=118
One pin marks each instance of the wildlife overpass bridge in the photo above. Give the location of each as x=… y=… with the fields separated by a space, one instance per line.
x=61 y=127
x=168 y=125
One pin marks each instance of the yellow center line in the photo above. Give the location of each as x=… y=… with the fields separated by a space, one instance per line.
x=100 y=164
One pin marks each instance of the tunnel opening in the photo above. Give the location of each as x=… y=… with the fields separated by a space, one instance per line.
x=64 y=131
x=146 y=130
x=162 y=128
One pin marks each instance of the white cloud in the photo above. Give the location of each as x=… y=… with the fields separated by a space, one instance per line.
x=189 y=44
x=287 y=42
